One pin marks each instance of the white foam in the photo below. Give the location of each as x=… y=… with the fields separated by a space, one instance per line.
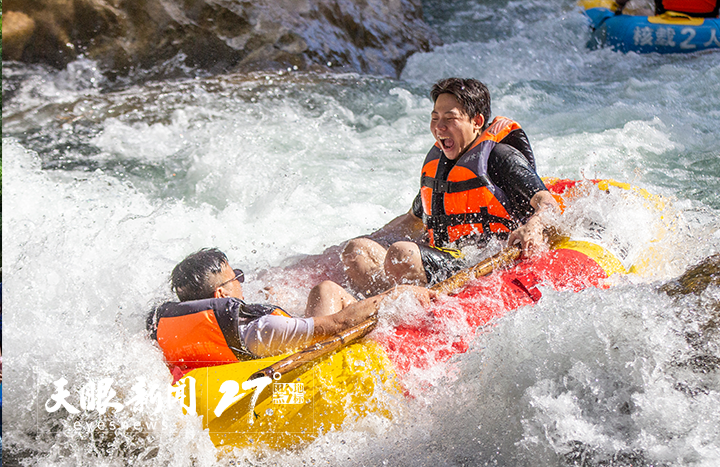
x=277 y=168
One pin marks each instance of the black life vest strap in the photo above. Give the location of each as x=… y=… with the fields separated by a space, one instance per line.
x=443 y=186
x=440 y=224
x=228 y=321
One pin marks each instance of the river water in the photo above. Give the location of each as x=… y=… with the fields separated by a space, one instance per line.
x=108 y=185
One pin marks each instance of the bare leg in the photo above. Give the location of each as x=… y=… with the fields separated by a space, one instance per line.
x=403 y=264
x=327 y=298
x=364 y=261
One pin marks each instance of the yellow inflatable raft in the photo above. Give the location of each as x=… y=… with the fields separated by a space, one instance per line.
x=251 y=404
x=281 y=411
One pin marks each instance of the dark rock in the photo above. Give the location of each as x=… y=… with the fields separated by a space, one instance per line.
x=696 y=278
x=17 y=30
x=366 y=36
x=701 y=310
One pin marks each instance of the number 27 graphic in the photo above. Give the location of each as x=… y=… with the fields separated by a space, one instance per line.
x=231 y=393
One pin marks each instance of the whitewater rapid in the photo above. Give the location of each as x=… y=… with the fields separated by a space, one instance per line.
x=107 y=187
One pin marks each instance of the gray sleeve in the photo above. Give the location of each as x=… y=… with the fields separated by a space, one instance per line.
x=274 y=335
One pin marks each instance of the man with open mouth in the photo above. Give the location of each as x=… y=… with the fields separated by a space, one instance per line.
x=478 y=182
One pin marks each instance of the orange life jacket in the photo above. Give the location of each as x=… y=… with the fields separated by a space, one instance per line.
x=201 y=333
x=707 y=8
x=473 y=204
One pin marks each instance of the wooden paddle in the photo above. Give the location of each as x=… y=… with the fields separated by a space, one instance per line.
x=504 y=258
x=320 y=349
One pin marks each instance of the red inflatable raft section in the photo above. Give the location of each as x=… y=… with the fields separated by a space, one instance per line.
x=451 y=323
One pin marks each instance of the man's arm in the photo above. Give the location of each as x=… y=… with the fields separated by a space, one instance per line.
x=530 y=235
x=404 y=227
x=408 y=226
x=356 y=313
x=529 y=197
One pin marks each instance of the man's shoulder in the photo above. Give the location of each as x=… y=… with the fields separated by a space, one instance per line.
x=223 y=307
x=173 y=308
x=506 y=153
x=517 y=140
x=254 y=310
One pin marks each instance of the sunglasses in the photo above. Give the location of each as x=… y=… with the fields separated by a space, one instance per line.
x=239 y=276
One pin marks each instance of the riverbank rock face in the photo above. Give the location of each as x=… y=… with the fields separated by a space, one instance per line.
x=17 y=30
x=366 y=36
x=696 y=278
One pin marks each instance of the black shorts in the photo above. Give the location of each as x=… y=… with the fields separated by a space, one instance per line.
x=440 y=263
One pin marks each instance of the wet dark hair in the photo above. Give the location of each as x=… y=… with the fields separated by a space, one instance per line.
x=192 y=278
x=472 y=95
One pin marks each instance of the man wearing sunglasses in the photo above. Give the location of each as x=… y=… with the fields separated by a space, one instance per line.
x=212 y=325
